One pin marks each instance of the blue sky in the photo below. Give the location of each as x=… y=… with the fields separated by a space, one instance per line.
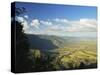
x=50 y=11
x=57 y=19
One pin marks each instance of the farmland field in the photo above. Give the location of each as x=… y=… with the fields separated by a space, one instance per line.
x=64 y=52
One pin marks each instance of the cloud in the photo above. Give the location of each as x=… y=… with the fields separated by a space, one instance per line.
x=20 y=19
x=35 y=23
x=25 y=25
x=47 y=23
x=26 y=16
x=58 y=26
x=92 y=23
x=28 y=27
x=23 y=22
x=61 y=20
x=83 y=25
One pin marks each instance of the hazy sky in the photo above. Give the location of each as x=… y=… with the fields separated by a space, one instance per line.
x=57 y=19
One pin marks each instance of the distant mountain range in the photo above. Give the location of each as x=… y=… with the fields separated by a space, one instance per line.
x=38 y=42
x=50 y=42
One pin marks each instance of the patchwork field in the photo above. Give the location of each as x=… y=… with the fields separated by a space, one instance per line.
x=69 y=53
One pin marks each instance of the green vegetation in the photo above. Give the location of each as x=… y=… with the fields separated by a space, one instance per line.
x=74 y=58
x=80 y=55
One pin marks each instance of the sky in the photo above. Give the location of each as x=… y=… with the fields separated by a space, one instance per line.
x=54 y=19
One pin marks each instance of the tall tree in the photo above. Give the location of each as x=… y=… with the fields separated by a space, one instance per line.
x=22 y=63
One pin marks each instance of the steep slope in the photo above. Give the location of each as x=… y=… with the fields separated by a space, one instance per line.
x=37 y=42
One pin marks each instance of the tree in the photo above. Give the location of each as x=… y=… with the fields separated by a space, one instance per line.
x=22 y=63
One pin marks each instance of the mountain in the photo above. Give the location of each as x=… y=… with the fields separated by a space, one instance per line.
x=40 y=42
x=65 y=52
x=51 y=42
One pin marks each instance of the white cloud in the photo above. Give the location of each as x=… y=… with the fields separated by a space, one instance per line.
x=35 y=23
x=48 y=23
x=61 y=20
x=84 y=25
x=26 y=16
x=58 y=26
x=20 y=19
x=92 y=23
x=75 y=26
x=23 y=22
x=25 y=25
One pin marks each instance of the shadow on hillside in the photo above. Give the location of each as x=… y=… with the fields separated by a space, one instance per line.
x=37 y=42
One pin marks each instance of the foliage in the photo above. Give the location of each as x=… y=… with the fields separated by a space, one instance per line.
x=67 y=57
x=22 y=63
x=19 y=11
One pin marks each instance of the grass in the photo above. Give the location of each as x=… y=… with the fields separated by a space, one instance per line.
x=73 y=56
x=80 y=55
